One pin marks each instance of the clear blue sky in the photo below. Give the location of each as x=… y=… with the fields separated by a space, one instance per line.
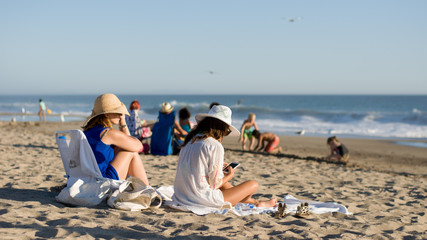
x=166 y=47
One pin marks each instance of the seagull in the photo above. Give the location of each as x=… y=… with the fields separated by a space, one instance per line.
x=301 y=132
x=211 y=72
x=293 y=19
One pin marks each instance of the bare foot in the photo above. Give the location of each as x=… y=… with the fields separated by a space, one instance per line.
x=269 y=203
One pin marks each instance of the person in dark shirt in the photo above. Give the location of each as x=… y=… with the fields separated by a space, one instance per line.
x=339 y=152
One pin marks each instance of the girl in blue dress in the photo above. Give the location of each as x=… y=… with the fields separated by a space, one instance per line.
x=116 y=152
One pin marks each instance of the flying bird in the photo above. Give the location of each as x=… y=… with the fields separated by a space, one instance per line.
x=293 y=19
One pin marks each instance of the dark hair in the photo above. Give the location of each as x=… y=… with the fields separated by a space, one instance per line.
x=98 y=120
x=208 y=127
x=330 y=139
x=213 y=104
x=184 y=113
x=256 y=133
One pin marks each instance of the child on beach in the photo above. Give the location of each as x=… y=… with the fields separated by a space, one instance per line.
x=184 y=121
x=200 y=180
x=116 y=152
x=339 y=152
x=248 y=126
x=42 y=110
x=272 y=142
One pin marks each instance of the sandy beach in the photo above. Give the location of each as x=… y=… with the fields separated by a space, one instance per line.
x=384 y=186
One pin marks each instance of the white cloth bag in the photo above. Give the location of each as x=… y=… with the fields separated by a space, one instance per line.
x=135 y=197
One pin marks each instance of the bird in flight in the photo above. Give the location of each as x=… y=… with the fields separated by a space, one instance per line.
x=294 y=19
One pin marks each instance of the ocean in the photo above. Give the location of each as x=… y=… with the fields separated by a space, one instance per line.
x=361 y=116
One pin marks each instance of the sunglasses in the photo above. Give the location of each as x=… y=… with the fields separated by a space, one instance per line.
x=228 y=132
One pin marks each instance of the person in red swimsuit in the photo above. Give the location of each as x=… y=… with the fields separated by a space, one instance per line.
x=271 y=139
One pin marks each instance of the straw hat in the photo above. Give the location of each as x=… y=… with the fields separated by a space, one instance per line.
x=166 y=108
x=107 y=103
x=222 y=113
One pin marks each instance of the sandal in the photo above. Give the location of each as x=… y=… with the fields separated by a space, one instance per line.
x=302 y=210
x=281 y=212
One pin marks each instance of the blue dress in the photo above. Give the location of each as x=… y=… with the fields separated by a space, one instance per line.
x=104 y=153
x=162 y=134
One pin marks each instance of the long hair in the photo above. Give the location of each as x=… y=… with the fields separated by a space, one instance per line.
x=208 y=127
x=330 y=139
x=98 y=120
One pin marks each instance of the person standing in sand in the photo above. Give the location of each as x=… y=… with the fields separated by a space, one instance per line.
x=200 y=180
x=248 y=126
x=339 y=152
x=272 y=140
x=42 y=111
x=116 y=152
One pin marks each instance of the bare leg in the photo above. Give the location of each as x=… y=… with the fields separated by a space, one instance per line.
x=244 y=143
x=129 y=163
x=277 y=150
x=251 y=146
x=243 y=193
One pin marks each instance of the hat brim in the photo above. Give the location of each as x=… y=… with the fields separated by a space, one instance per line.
x=234 y=132
x=120 y=110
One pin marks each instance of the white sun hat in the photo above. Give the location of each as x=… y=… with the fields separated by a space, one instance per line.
x=166 y=108
x=222 y=113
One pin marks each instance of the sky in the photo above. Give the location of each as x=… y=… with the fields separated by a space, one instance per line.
x=213 y=47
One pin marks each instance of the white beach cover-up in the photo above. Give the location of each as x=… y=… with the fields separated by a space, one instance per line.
x=198 y=176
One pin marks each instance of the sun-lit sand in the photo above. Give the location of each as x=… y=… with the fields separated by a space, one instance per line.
x=384 y=186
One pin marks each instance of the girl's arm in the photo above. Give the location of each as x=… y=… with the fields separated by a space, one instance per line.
x=227 y=177
x=256 y=126
x=122 y=140
x=123 y=126
x=242 y=131
x=260 y=142
x=179 y=128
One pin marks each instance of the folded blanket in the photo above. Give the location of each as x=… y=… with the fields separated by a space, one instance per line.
x=243 y=209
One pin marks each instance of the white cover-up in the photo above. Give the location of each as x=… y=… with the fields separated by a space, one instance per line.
x=199 y=174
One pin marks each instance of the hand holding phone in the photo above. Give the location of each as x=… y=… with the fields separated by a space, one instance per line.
x=232 y=165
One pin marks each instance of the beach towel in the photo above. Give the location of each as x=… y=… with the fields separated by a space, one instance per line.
x=244 y=209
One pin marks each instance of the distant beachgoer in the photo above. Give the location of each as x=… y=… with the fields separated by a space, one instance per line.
x=271 y=139
x=133 y=121
x=184 y=119
x=163 y=131
x=135 y=125
x=116 y=151
x=248 y=126
x=339 y=152
x=185 y=123
x=200 y=180
x=42 y=111
x=213 y=104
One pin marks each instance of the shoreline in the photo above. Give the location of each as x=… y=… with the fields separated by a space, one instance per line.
x=382 y=155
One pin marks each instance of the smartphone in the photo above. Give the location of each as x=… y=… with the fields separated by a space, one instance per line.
x=233 y=165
